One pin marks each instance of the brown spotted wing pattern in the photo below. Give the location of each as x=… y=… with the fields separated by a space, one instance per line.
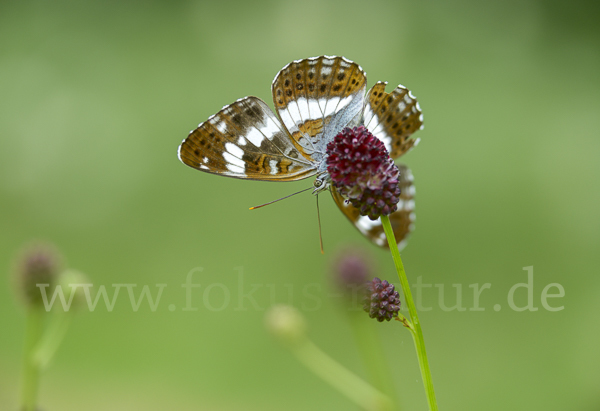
x=315 y=98
x=245 y=140
x=393 y=117
x=402 y=220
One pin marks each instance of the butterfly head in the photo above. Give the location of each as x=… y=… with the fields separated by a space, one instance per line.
x=321 y=183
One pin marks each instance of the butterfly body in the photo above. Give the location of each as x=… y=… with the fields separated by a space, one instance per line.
x=314 y=100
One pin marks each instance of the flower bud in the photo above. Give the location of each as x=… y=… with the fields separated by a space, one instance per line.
x=351 y=269
x=286 y=323
x=38 y=264
x=71 y=282
x=381 y=300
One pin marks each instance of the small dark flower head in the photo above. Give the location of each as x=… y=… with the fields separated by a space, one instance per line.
x=381 y=300
x=351 y=269
x=363 y=172
x=38 y=264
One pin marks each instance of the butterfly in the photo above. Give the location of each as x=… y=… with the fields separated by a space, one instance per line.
x=314 y=99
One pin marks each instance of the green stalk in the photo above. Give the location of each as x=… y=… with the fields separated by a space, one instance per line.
x=31 y=368
x=354 y=388
x=371 y=351
x=52 y=338
x=418 y=333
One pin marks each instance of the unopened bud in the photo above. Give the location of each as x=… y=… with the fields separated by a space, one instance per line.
x=351 y=269
x=72 y=283
x=38 y=264
x=286 y=323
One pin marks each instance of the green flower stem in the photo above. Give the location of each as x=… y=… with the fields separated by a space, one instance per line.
x=52 y=338
x=371 y=351
x=406 y=323
x=31 y=369
x=418 y=333
x=355 y=389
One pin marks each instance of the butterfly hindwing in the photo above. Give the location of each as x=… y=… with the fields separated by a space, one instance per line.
x=315 y=95
x=402 y=220
x=393 y=117
x=245 y=140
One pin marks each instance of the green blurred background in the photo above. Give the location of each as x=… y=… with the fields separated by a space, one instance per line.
x=96 y=96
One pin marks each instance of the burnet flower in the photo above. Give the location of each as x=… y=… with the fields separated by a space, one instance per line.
x=38 y=265
x=351 y=268
x=363 y=172
x=381 y=301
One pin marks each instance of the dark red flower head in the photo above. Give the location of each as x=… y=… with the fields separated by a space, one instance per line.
x=351 y=270
x=363 y=172
x=381 y=300
x=38 y=264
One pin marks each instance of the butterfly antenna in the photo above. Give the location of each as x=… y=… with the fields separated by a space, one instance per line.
x=319 y=219
x=279 y=199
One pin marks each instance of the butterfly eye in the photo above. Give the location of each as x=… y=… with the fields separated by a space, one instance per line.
x=318 y=183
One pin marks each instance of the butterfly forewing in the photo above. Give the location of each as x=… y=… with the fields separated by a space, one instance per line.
x=393 y=117
x=315 y=95
x=245 y=140
x=402 y=220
